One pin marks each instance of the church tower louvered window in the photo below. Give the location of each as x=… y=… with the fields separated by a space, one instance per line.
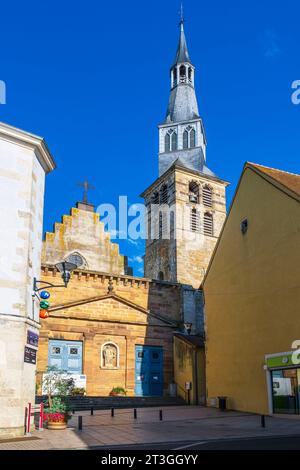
x=194 y=192
x=164 y=194
x=208 y=224
x=207 y=196
x=195 y=220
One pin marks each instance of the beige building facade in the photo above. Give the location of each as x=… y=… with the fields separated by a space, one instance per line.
x=24 y=161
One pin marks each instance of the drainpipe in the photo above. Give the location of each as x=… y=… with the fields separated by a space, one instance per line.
x=196 y=378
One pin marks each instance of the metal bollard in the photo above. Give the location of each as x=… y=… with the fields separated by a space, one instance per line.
x=160 y=415
x=92 y=411
x=112 y=412
x=135 y=413
x=80 y=423
x=263 y=421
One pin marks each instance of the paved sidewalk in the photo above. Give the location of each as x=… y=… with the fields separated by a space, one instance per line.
x=179 y=423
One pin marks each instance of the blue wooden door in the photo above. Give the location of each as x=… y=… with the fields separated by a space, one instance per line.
x=65 y=355
x=148 y=371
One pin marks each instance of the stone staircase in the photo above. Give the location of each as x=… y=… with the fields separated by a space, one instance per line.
x=105 y=403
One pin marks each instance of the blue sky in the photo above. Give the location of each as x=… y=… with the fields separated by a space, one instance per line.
x=93 y=78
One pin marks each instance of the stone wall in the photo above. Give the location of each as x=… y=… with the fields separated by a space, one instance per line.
x=98 y=308
x=82 y=232
x=24 y=159
x=194 y=249
x=185 y=255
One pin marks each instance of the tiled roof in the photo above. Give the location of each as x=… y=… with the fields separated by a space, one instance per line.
x=290 y=180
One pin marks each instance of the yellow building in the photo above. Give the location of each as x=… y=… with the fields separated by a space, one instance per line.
x=252 y=297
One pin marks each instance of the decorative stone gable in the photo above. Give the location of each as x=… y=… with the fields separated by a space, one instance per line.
x=82 y=234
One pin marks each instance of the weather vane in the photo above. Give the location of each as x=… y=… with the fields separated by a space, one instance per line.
x=86 y=187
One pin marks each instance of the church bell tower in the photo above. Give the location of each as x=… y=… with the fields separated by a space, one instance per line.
x=186 y=205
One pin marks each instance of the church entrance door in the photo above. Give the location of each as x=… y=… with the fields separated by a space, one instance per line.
x=148 y=371
x=65 y=355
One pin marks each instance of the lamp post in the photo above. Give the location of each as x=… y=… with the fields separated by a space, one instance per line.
x=188 y=327
x=65 y=268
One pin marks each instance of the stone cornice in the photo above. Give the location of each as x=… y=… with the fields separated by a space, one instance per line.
x=86 y=274
x=182 y=169
x=34 y=142
x=112 y=296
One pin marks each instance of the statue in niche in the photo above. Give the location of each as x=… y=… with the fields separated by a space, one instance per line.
x=110 y=356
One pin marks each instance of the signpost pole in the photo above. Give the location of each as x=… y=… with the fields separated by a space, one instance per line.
x=41 y=420
x=28 y=420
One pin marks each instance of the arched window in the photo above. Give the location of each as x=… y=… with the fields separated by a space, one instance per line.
x=189 y=138
x=167 y=142
x=208 y=224
x=160 y=276
x=185 y=139
x=192 y=138
x=155 y=198
x=190 y=74
x=77 y=259
x=182 y=73
x=175 y=76
x=174 y=141
x=195 y=220
x=194 y=192
x=207 y=196
x=171 y=141
x=163 y=194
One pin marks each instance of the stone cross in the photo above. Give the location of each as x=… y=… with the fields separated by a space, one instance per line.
x=86 y=186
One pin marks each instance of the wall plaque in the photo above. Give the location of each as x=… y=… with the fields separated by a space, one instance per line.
x=30 y=355
x=32 y=338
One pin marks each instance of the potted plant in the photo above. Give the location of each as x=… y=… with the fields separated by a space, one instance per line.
x=78 y=391
x=118 y=392
x=58 y=386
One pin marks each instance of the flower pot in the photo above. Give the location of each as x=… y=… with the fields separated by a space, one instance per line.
x=56 y=425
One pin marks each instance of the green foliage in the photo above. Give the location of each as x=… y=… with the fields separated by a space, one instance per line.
x=118 y=391
x=58 y=406
x=78 y=391
x=58 y=386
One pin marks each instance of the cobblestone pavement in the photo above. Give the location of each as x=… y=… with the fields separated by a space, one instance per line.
x=178 y=424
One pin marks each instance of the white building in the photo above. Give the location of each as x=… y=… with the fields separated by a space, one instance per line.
x=24 y=161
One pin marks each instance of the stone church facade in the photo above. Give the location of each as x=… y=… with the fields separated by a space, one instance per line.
x=116 y=329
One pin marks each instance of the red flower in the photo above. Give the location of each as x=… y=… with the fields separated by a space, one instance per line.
x=56 y=417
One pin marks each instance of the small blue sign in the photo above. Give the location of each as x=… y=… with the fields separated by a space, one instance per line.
x=45 y=294
x=32 y=338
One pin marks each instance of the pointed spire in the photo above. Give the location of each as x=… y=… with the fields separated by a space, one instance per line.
x=182 y=54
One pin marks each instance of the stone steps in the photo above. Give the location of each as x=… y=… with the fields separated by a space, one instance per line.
x=105 y=403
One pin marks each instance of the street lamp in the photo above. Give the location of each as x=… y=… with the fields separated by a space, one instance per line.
x=65 y=268
x=188 y=327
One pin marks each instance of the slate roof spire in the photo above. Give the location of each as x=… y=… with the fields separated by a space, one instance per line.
x=183 y=101
x=182 y=54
